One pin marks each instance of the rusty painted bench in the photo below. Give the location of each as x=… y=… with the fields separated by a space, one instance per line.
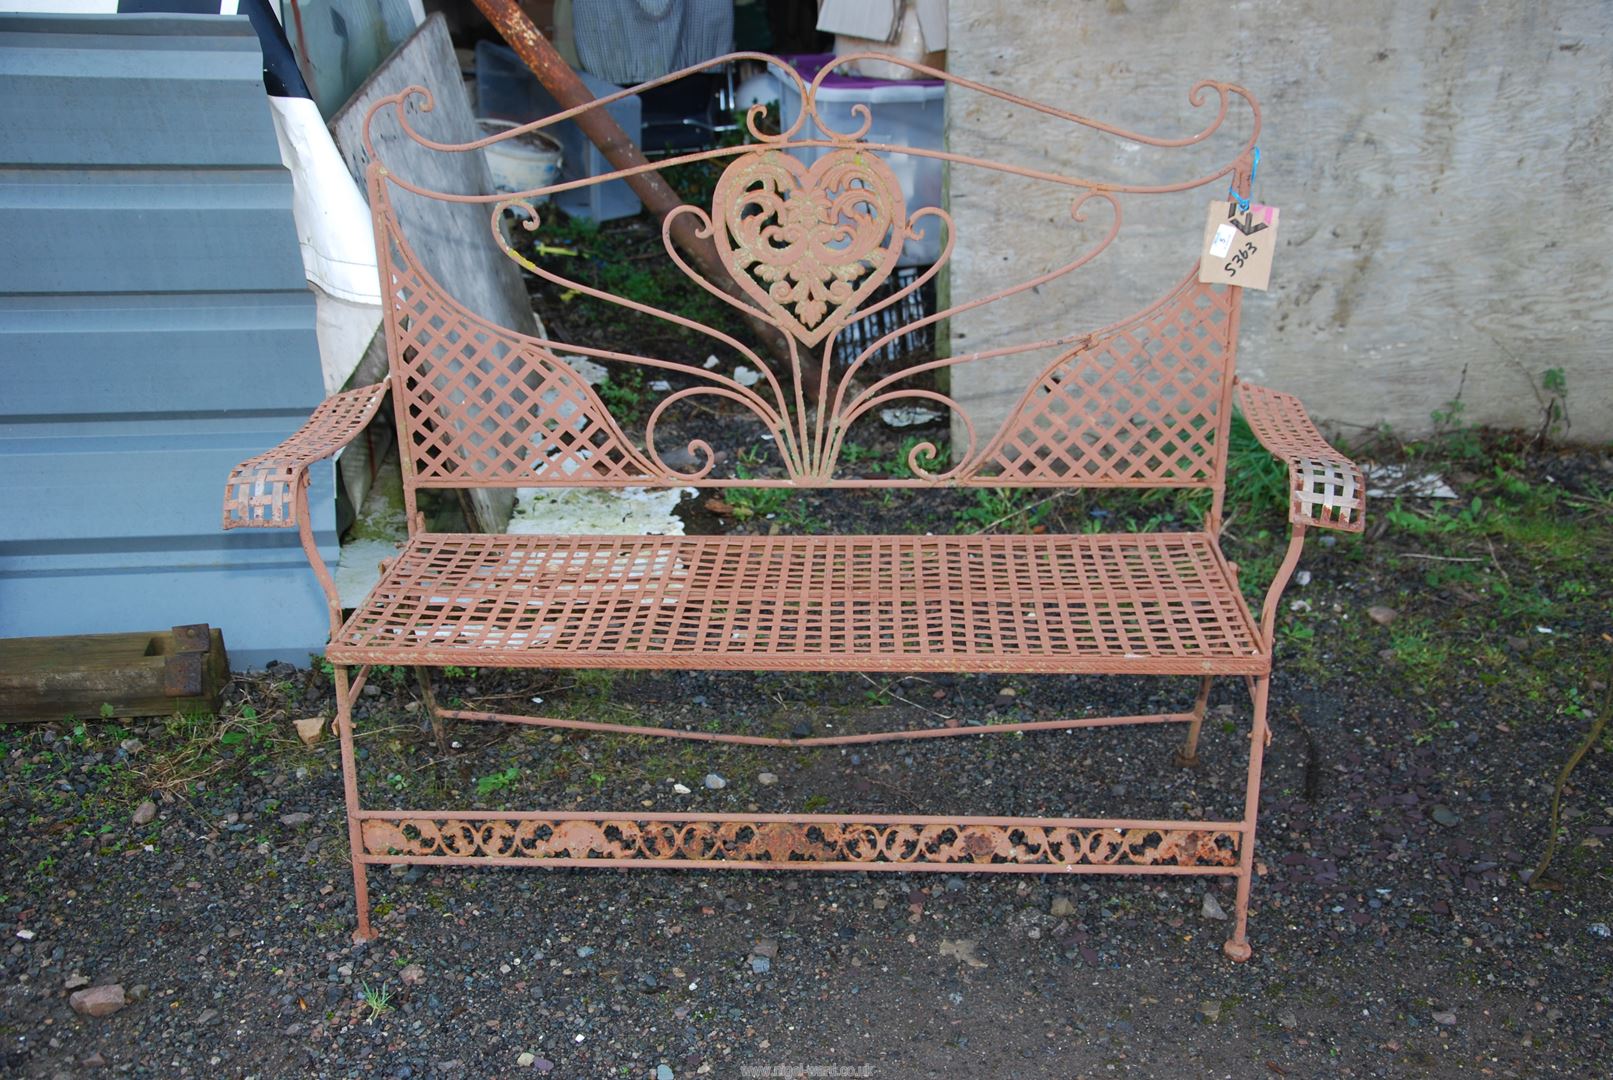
x=1144 y=403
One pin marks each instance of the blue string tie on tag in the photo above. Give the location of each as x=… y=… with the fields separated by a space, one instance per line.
x=1232 y=187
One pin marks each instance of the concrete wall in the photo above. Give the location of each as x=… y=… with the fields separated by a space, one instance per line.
x=1442 y=170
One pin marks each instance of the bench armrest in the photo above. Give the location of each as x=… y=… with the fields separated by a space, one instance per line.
x=1326 y=488
x=261 y=492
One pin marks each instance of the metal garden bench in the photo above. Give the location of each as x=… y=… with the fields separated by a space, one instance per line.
x=1144 y=403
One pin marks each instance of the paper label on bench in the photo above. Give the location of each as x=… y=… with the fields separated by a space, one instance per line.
x=1238 y=244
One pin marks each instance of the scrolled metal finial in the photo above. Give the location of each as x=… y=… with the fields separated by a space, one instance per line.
x=923 y=451
x=859 y=110
x=699 y=448
x=527 y=214
x=428 y=101
x=1078 y=204
x=753 y=116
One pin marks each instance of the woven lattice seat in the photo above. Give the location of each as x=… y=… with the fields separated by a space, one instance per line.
x=1110 y=603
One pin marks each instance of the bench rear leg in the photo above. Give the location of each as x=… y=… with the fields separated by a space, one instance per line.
x=430 y=700
x=1237 y=946
x=1187 y=756
x=355 y=840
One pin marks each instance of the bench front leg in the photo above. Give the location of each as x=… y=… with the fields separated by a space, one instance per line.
x=270 y=491
x=1326 y=490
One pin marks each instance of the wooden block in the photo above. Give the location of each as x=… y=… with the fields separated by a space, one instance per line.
x=151 y=673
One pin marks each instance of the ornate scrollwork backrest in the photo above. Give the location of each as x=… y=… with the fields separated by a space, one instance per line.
x=809 y=245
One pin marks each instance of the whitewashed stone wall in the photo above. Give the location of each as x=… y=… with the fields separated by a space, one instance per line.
x=1444 y=171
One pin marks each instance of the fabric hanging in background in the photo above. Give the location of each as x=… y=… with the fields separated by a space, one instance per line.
x=633 y=41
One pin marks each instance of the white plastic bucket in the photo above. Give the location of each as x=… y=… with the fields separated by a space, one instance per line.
x=523 y=163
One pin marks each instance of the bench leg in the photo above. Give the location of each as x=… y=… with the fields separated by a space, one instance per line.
x=355 y=841
x=1187 y=757
x=430 y=700
x=1237 y=946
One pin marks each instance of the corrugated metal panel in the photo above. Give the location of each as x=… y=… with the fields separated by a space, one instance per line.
x=155 y=328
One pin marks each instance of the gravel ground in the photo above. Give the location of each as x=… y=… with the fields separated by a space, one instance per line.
x=1393 y=935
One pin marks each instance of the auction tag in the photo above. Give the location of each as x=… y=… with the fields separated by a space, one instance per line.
x=1238 y=244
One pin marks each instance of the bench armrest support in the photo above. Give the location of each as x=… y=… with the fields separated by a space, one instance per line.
x=261 y=492
x=1326 y=488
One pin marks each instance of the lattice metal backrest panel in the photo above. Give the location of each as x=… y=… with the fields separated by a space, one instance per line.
x=806 y=226
x=1143 y=402
x=485 y=405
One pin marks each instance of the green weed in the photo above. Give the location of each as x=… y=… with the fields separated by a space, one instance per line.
x=496 y=782
x=377 y=999
x=1013 y=510
x=624 y=392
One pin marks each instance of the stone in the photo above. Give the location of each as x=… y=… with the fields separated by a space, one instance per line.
x=1061 y=908
x=1445 y=816
x=1209 y=1011
x=543 y=1065
x=765 y=947
x=801 y=729
x=680 y=789
x=94 y=1060
x=1212 y=908
x=1382 y=615
x=715 y=782
x=296 y=820
x=1447 y=1017
x=310 y=728
x=98 y=1000
x=1287 y=1019
x=412 y=975
x=137 y=993
x=962 y=950
x=76 y=981
x=767 y=779
x=526 y=1059
x=144 y=814
x=584 y=951
x=760 y=965
x=207 y=1017
x=663 y=1072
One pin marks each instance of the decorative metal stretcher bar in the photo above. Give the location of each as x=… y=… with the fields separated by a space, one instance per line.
x=1145 y=402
